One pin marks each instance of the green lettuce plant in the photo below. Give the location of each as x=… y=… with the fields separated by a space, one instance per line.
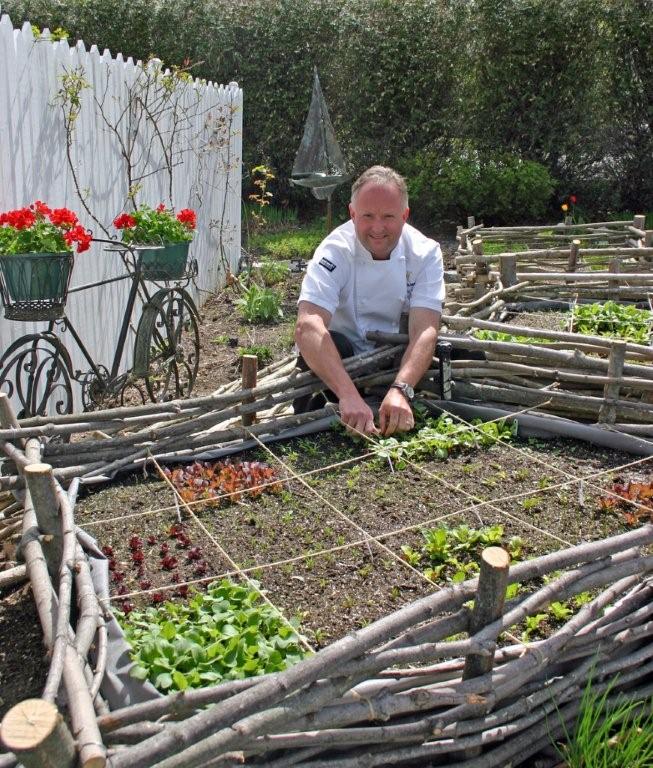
x=227 y=633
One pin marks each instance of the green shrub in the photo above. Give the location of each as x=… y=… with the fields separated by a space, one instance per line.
x=439 y=437
x=449 y=183
x=260 y=304
x=508 y=337
x=225 y=634
x=263 y=353
x=273 y=272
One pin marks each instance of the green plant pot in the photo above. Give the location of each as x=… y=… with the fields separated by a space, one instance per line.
x=35 y=285
x=167 y=263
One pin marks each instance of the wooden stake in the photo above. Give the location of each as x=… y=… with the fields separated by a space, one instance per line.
x=608 y=410
x=573 y=255
x=481 y=267
x=614 y=266
x=35 y=731
x=488 y=604
x=508 y=270
x=40 y=482
x=488 y=607
x=249 y=373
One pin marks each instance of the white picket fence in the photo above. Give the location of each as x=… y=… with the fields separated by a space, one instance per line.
x=199 y=130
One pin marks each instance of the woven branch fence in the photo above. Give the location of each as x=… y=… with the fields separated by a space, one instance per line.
x=439 y=681
x=398 y=691
x=605 y=260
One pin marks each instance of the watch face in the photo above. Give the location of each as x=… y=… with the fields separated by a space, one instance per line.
x=406 y=390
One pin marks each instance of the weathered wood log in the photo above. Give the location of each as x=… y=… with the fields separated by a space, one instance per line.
x=562 y=254
x=492 y=390
x=12 y=576
x=494 y=368
x=588 y=277
x=463 y=323
x=65 y=581
x=36 y=732
x=92 y=752
x=40 y=483
x=250 y=368
x=608 y=411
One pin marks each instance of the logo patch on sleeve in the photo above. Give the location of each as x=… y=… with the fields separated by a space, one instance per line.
x=324 y=262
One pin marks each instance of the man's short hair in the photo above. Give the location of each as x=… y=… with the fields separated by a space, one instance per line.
x=381 y=175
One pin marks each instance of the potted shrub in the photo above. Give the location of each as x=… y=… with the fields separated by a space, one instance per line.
x=36 y=259
x=168 y=234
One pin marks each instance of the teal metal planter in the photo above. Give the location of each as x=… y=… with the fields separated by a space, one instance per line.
x=165 y=263
x=34 y=286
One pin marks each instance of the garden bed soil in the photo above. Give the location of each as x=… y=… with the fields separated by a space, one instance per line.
x=306 y=543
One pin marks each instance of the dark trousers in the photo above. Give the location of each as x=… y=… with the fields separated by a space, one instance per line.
x=317 y=400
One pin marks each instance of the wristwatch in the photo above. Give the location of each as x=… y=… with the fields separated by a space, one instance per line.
x=406 y=390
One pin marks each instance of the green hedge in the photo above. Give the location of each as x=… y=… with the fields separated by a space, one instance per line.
x=445 y=184
x=566 y=85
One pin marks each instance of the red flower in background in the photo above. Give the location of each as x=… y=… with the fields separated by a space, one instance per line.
x=160 y=208
x=188 y=217
x=124 y=221
x=572 y=199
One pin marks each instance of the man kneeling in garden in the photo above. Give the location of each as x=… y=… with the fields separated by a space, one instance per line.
x=361 y=278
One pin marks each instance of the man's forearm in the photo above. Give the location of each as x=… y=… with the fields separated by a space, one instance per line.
x=320 y=353
x=418 y=356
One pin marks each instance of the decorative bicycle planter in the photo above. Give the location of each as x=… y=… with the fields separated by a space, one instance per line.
x=34 y=286
x=37 y=369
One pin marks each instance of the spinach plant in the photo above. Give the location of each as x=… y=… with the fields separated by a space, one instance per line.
x=226 y=633
x=617 y=321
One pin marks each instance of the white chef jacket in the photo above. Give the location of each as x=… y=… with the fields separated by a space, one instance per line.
x=363 y=294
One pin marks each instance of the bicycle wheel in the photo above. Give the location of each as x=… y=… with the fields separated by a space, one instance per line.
x=37 y=371
x=167 y=346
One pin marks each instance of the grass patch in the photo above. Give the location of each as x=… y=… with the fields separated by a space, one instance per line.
x=610 y=734
x=290 y=244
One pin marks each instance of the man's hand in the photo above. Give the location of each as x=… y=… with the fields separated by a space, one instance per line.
x=356 y=415
x=395 y=413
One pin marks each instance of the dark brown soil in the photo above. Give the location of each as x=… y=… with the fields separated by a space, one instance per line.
x=23 y=662
x=306 y=546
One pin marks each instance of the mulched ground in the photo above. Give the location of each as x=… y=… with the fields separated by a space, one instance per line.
x=304 y=543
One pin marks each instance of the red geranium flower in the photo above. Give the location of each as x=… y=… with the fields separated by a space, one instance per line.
x=124 y=221
x=188 y=217
x=572 y=199
x=79 y=235
x=62 y=217
x=160 y=208
x=41 y=208
x=22 y=218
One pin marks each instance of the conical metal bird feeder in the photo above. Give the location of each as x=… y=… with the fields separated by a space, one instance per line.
x=319 y=163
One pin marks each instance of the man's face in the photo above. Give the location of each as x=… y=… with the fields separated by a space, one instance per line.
x=379 y=215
